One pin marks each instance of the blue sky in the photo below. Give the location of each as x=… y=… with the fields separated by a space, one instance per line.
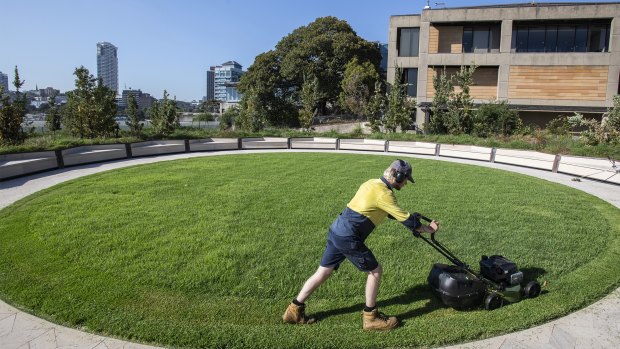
x=170 y=44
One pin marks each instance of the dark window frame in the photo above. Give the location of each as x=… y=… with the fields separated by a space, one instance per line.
x=579 y=37
x=398 y=42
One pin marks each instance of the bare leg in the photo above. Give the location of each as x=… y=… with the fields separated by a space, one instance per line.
x=313 y=282
x=372 y=286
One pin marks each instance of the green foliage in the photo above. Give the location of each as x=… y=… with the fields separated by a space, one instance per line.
x=558 y=126
x=400 y=108
x=320 y=49
x=357 y=85
x=228 y=118
x=376 y=108
x=91 y=107
x=164 y=115
x=309 y=99
x=53 y=117
x=495 y=118
x=133 y=116
x=252 y=114
x=12 y=114
x=452 y=111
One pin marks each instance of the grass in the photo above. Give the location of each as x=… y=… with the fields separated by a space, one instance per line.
x=208 y=252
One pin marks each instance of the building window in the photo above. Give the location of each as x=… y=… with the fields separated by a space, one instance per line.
x=561 y=37
x=410 y=79
x=408 y=42
x=480 y=39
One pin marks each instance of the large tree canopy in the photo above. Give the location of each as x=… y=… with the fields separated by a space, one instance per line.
x=319 y=50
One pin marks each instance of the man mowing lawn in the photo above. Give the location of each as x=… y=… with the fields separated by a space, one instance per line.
x=373 y=202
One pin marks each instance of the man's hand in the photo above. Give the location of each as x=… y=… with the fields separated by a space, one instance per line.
x=431 y=228
x=434 y=225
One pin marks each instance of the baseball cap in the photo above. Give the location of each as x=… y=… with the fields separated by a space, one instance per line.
x=403 y=166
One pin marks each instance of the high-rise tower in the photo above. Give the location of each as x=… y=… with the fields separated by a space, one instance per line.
x=107 y=65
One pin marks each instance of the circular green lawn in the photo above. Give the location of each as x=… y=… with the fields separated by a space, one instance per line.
x=208 y=252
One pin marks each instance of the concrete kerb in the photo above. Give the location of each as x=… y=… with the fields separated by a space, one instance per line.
x=593 y=326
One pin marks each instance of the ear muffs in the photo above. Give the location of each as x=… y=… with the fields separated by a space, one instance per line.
x=400 y=177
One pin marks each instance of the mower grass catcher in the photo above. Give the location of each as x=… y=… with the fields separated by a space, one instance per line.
x=459 y=287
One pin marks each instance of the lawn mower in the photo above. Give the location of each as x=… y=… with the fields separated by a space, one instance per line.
x=459 y=287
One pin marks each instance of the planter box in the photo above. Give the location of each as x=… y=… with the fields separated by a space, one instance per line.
x=210 y=144
x=93 y=153
x=15 y=165
x=264 y=143
x=412 y=147
x=466 y=152
x=600 y=169
x=157 y=148
x=362 y=144
x=313 y=143
x=525 y=158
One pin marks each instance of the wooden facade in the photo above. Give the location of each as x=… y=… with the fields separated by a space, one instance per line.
x=584 y=83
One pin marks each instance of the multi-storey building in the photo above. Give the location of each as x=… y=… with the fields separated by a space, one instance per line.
x=4 y=82
x=107 y=65
x=226 y=75
x=210 y=93
x=544 y=59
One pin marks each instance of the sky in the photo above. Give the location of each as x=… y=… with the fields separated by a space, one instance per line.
x=169 y=45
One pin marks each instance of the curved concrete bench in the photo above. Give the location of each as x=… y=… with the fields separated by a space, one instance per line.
x=15 y=165
x=593 y=168
x=93 y=153
x=526 y=158
x=208 y=144
x=423 y=148
x=157 y=147
x=264 y=143
x=314 y=143
x=471 y=152
x=363 y=144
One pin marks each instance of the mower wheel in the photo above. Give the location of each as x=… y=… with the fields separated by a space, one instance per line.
x=532 y=289
x=493 y=301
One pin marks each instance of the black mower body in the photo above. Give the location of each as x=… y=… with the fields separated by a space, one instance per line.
x=456 y=287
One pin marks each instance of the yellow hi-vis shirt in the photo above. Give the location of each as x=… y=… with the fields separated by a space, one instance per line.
x=373 y=202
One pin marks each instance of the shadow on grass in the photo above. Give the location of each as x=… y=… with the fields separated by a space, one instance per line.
x=412 y=295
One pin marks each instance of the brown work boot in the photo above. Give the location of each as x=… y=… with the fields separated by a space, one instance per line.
x=295 y=314
x=376 y=321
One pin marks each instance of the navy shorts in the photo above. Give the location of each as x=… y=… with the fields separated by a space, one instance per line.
x=350 y=247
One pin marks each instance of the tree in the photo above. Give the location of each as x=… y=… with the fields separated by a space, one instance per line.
x=376 y=107
x=357 y=85
x=452 y=112
x=91 y=107
x=320 y=49
x=228 y=118
x=309 y=100
x=52 y=120
x=443 y=86
x=164 y=116
x=12 y=114
x=399 y=107
x=133 y=116
x=252 y=114
x=460 y=105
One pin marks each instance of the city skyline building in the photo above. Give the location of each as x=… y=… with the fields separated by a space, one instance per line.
x=4 y=81
x=107 y=64
x=225 y=76
x=210 y=92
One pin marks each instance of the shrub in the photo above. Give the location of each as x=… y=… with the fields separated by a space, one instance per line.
x=496 y=118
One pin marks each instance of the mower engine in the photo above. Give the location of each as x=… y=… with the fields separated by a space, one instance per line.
x=500 y=270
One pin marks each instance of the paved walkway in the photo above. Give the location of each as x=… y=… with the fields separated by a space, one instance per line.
x=596 y=326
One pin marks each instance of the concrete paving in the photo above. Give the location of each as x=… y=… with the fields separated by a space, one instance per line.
x=596 y=326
